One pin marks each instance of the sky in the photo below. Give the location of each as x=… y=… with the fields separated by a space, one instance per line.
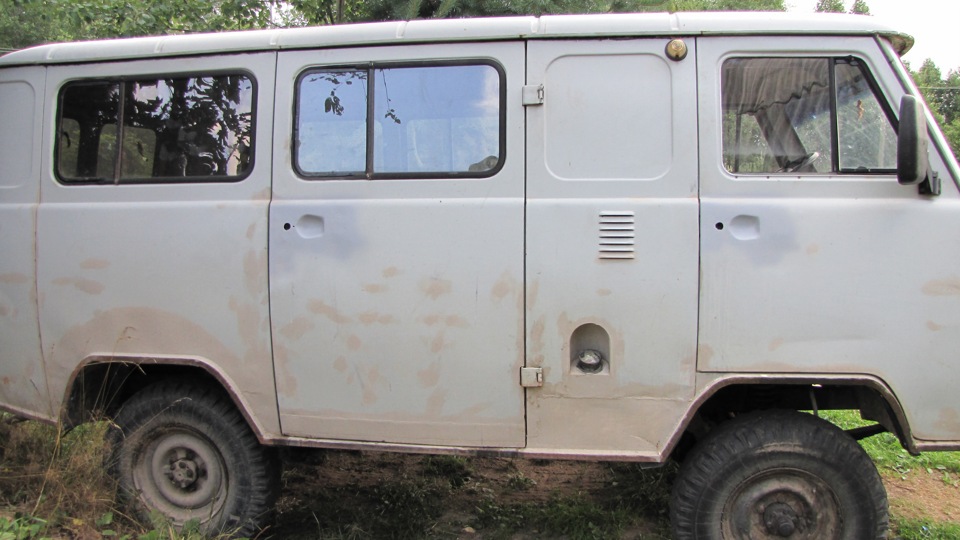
x=934 y=24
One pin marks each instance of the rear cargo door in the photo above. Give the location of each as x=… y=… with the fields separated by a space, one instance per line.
x=22 y=382
x=611 y=243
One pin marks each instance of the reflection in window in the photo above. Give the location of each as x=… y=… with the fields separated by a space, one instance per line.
x=803 y=115
x=867 y=140
x=197 y=128
x=434 y=120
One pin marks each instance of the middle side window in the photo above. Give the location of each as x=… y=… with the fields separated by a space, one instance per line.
x=400 y=121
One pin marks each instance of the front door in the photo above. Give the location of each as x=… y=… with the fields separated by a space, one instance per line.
x=814 y=259
x=396 y=244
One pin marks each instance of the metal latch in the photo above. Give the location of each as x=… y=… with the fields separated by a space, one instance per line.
x=532 y=95
x=531 y=377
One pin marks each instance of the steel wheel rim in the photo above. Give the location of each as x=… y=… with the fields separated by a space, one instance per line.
x=782 y=503
x=181 y=473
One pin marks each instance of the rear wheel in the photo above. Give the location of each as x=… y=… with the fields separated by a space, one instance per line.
x=778 y=474
x=185 y=452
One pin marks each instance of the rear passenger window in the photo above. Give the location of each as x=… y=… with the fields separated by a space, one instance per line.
x=400 y=122
x=804 y=115
x=190 y=129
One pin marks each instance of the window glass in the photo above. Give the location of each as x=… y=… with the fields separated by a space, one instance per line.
x=85 y=110
x=332 y=122
x=430 y=120
x=867 y=140
x=173 y=129
x=792 y=115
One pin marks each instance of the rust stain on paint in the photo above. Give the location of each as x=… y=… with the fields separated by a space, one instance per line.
x=536 y=336
x=94 y=264
x=438 y=342
x=942 y=287
x=390 y=271
x=934 y=327
x=85 y=285
x=251 y=230
x=704 y=353
x=340 y=364
x=354 y=343
x=255 y=271
x=533 y=291
x=297 y=328
x=457 y=321
x=14 y=278
x=504 y=286
x=330 y=312
x=287 y=382
x=604 y=292
x=430 y=376
x=775 y=344
x=374 y=288
x=372 y=317
x=813 y=249
x=435 y=288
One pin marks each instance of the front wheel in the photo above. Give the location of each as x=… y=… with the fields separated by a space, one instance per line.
x=184 y=451
x=778 y=474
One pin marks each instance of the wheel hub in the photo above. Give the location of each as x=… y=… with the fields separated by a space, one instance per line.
x=780 y=519
x=183 y=473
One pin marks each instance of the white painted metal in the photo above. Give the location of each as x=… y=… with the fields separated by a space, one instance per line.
x=403 y=320
x=463 y=30
x=615 y=141
x=161 y=270
x=23 y=385
x=841 y=274
x=423 y=314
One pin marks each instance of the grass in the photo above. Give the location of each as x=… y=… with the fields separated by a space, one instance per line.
x=886 y=452
x=54 y=484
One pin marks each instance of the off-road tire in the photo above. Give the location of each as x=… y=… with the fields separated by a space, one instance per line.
x=778 y=474
x=185 y=452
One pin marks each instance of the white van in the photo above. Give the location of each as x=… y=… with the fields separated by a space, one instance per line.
x=624 y=237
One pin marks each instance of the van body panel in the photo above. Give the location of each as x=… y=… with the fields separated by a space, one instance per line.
x=23 y=384
x=397 y=303
x=611 y=193
x=462 y=30
x=815 y=273
x=155 y=270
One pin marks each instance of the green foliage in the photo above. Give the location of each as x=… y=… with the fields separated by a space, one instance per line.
x=886 y=452
x=454 y=469
x=21 y=528
x=860 y=7
x=830 y=6
x=914 y=529
x=942 y=95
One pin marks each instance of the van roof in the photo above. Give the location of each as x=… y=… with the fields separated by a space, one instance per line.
x=470 y=29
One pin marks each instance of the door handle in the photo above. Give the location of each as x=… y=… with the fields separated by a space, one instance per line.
x=742 y=227
x=307 y=226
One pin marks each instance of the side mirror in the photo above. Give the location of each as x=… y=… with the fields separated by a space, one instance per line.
x=913 y=166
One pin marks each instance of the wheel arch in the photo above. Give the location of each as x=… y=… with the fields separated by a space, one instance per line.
x=728 y=396
x=100 y=385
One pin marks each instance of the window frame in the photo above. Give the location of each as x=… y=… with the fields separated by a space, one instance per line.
x=833 y=62
x=154 y=180
x=369 y=172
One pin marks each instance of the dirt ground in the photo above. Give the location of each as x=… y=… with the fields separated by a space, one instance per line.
x=355 y=495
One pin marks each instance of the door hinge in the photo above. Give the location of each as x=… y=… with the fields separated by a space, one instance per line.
x=532 y=95
x=531 y=377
